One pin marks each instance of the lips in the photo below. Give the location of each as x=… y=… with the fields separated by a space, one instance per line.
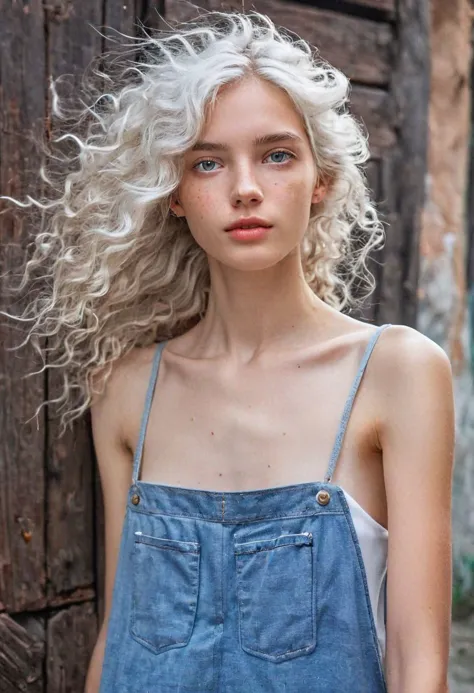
x=245 y=223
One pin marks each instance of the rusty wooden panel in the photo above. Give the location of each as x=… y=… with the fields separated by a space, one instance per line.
x=21 y=654
x=22 y=578
x=361 y=48
x=373 y=107
x=70 y=550
x=71 y=636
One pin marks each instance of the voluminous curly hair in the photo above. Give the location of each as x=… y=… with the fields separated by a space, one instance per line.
x=116 y=269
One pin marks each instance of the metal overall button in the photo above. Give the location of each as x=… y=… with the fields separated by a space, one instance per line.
x=135 y=499
x=323 y=497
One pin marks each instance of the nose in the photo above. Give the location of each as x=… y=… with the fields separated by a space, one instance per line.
x=246 y=188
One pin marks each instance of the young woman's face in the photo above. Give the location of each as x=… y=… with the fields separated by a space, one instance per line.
x=230 y=175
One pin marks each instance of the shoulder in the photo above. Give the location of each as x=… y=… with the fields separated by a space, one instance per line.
x=119 y=387
x=124 y=372
x=404 y=356
x=412 y=379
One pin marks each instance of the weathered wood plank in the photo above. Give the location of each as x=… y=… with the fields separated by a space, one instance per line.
x=70 y=551
x=388 y=5
x=21 y=654
x=373 y=107
x=71 y=636
x=147 y=12
x=390 y=290
x=369 y=309
x=381 y=5
x=404 y=184
x=22 y=578
x=121 y=16
x=361 y=48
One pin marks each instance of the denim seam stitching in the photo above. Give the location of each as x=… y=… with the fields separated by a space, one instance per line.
x=274 y=490
x=240 y=519
x=269 y=548
x=166 y=548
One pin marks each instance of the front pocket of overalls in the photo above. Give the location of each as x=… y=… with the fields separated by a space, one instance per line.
x=165 y=591
x=276 y=596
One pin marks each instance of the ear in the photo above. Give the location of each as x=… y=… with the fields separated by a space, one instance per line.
x=176 y=207
x=319 y=193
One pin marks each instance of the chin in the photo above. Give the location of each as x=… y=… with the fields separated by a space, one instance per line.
x=251 y=259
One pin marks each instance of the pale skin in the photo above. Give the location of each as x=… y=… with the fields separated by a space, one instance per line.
x=252 y=395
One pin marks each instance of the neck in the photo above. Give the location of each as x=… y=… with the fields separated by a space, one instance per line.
x=251 y=311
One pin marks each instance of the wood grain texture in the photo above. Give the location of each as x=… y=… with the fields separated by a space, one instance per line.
x=373 y=108
x=381 y=5
x=368 y=310
x=71 y=636
x=119 y=17
x=388 y=5
x=148 y=12
x=22 y=108
x=21 y=654
x=361 y=48
x=70 y=510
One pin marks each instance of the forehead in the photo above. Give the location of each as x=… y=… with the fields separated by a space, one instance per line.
x=249 y=109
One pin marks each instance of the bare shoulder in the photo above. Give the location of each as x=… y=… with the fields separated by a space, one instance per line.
x=124 y=388
x=405 y=358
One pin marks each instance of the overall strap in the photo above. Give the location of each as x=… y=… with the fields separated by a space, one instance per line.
x=146 y=411
x=350 y=401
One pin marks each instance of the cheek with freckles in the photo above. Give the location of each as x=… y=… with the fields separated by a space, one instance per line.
x=296 y=196
x=203 y=205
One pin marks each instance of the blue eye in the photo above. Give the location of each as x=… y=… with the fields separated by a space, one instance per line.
x=205 y=161
x=281 y=151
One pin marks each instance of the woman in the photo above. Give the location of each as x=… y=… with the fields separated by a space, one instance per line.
x=264 y=456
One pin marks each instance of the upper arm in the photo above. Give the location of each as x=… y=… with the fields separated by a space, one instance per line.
x=416 y=432
x=114 y=461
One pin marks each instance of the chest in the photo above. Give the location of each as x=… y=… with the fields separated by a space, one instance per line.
x=218 y=429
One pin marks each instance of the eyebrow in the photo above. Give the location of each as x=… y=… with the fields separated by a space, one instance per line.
x=258 y=141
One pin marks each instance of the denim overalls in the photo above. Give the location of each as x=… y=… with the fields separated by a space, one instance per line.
x=242 y=592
